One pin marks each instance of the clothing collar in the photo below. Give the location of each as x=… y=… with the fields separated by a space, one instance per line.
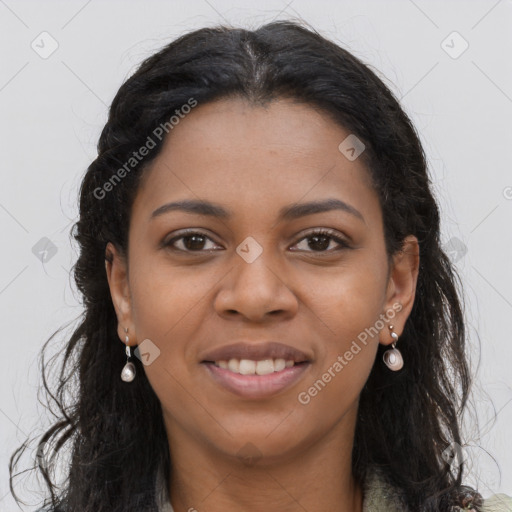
x=378 y=496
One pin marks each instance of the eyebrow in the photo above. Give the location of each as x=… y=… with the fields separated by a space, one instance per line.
x=201 y=207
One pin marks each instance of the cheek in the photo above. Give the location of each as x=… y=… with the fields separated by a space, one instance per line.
x=171 y=306
x=335 y=389
x=165 y=299
x=163 y=307
x=347 y=311
x=348 y=299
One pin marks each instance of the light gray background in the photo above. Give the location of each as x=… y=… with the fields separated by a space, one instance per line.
x=52 y=111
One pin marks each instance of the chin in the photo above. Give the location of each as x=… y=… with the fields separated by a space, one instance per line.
x=261 y=447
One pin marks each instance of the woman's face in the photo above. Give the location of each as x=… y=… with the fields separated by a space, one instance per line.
x=246 y=267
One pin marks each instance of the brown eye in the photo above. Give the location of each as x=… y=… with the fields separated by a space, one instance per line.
x=191 y=241
x=321 y=240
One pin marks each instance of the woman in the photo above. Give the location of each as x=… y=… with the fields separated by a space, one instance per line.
x=259 y=230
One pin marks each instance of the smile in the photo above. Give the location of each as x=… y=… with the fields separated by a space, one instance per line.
x=256 y=379
x=250 y=367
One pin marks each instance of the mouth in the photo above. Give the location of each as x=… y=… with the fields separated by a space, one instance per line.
x=256 y=371
x=251 y=367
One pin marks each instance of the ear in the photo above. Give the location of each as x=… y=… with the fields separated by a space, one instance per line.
x=401 y=289
x=117 y=276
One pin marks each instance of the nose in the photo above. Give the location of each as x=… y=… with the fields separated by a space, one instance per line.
x=256 y=291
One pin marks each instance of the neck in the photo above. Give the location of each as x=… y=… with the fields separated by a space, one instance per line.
x=316 y=477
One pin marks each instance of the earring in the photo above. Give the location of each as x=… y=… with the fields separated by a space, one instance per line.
x=128 y=373
x=393 y=357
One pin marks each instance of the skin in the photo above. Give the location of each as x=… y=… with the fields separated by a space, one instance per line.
x=253 y=161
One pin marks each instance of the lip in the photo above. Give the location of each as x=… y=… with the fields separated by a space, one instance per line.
x=256 y=386
x=255 y=352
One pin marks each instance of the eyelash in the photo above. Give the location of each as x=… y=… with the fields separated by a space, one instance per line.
x=322 y=231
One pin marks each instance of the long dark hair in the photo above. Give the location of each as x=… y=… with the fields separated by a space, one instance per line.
x=407 y=419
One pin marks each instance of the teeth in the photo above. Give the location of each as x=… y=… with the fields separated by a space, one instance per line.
x=279 y=364
x=264 y=367
x=234 y=365
x=249 y=367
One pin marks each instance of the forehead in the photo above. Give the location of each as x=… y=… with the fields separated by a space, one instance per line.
x=232 y=151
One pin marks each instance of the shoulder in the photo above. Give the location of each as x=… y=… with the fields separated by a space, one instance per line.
x=497 y=503
x=380 y=496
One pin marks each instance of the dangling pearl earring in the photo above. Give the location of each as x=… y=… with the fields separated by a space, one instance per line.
x=393 y=357
x=128 y=373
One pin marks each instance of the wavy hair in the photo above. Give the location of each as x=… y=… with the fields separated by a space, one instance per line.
x=406 y=419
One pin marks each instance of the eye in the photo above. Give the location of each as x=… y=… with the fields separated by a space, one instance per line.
x=321 y=239
x=190 y=241
x=195 y=241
